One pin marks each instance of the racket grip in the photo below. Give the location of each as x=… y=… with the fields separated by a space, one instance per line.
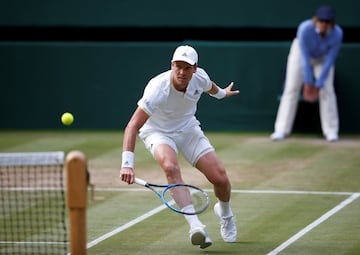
x=140 y=181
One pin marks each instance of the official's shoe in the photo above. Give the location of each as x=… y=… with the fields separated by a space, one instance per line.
x=276 y=136
x=228 y=228
x=332 y=138
x=199 y=236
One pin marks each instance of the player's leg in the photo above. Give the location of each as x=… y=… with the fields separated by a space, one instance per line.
x=289 y=100
x=210 y=165
x=167 y=158
x=197 y=149
x=164 y=151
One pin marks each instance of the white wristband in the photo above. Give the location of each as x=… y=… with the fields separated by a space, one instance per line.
x=128 y=159
x=220 y=94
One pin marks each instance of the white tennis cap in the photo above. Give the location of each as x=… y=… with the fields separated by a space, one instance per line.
x=185 y=53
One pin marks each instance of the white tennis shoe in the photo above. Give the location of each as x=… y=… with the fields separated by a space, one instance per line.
x=199 y=236
x=276 y=136
x=228 y=228
x=332 y=138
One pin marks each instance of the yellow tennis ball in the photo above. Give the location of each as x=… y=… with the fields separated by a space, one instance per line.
x=67 y=118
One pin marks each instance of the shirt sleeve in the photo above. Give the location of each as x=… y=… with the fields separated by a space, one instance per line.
x=330 y=57
x=203 y=79
x=305 y=54
x=153 y=96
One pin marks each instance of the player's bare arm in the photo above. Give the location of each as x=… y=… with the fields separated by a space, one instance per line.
x=136 y=122
x=215 y=89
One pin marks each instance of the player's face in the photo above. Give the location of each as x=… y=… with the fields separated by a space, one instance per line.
x=182 y=73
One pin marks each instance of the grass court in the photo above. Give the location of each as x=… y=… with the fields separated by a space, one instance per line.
x=299 y=196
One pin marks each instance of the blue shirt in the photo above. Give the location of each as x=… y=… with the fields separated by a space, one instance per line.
x=313 y=45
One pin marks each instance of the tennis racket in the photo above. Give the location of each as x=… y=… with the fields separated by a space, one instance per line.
x=181 y=198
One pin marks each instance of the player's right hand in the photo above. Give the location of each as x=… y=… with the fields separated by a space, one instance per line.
x=127 y=175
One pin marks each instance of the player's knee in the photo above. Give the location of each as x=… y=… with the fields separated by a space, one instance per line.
x=172 y=172
x=221 y=179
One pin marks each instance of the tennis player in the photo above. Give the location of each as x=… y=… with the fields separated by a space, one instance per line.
x=165 y=121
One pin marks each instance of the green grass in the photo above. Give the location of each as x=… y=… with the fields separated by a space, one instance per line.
x=255 y=165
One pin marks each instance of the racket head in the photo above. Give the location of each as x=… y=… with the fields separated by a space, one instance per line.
x=185 y=199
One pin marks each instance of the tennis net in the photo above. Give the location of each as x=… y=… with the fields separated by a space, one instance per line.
x=32 y=204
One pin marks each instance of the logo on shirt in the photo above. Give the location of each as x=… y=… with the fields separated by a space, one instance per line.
x=196 y=92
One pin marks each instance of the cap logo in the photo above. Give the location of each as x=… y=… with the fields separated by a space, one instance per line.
x=186 y=54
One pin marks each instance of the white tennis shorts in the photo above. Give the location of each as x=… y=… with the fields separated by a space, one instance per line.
x=192 y=143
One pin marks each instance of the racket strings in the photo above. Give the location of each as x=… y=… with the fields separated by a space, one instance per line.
x=186 y=199
x=198 y=199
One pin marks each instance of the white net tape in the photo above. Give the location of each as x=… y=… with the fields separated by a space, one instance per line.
x=32 y=158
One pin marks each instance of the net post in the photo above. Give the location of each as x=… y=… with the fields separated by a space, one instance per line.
x=76 y=171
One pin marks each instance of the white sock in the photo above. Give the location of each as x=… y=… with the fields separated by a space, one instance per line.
x=193 y=220
x=225 y=209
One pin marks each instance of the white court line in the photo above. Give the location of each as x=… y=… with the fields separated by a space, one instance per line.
x=294 y=192
x=246 y=191
x=126 y=226
x=314 y=224
x=162 y=207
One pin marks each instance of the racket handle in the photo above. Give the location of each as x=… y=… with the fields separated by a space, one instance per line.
x=140 y=181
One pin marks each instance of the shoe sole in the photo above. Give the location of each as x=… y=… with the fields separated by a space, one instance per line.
x=198 y=238
x=205 y=245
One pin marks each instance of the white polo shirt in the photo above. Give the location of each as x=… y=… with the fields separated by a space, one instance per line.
x=171 y=110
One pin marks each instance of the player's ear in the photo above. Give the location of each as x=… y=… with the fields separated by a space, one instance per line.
x=195 y=67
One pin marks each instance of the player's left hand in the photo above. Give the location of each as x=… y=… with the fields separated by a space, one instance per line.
x=229 y=91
